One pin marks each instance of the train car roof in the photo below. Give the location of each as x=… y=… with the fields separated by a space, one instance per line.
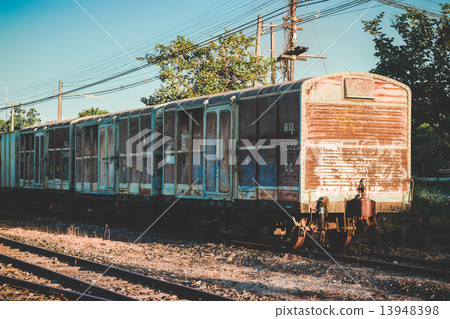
x=194 y=102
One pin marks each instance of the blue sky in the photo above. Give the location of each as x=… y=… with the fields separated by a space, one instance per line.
x=42 y=42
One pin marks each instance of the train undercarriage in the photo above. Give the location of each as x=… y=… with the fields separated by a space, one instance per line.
x=291 y=227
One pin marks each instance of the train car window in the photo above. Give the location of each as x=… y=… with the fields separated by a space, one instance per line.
x=22 y=157
x=123 y=137
x=225 y=135
x=110 y=154
x=210 y=151
x=58 y=164
x=36 y=158
x=169 y=148
x=102 y=139
x=87 y=140
x=94 y=140
x=87 y=170
x=146 y=124
x=79 y=170
x=197 y=157
x=17 y=150
x=79 y=154
x=134 y=130
x=87 y=152
x=51 y=158
x=90 y=158
x=42 y=160
x=183 y=141
x=27 y=155
x=79 y=141
x=57 y=152
x=65 y=154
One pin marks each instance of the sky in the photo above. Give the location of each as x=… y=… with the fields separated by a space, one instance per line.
x=79 y=42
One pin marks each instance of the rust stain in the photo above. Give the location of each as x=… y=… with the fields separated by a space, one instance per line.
x=265 y=194
x=288 y=196
x=145 y=191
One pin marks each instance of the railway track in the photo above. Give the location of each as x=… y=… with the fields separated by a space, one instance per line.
x=400 y=264
x=87 y=279
x=18 y=289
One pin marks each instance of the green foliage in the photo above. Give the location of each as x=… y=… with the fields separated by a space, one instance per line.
x=429 y=153
x=187 y=70
x=22 y=119
x=421 y=61
x=92 y=111
x=430 y=204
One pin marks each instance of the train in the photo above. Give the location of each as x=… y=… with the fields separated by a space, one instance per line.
x=318 y=155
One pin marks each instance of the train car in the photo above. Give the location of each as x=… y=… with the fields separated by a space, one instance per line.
x=317 y=154
x=336 y=150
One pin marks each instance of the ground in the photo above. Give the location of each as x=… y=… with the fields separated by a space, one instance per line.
x=233 y=271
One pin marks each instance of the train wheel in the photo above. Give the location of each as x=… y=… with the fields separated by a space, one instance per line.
x=296 y=239
x=339 y=240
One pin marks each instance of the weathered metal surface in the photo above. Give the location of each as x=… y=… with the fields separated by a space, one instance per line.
x=355 y=126
x=362 y=207
x=352 y=125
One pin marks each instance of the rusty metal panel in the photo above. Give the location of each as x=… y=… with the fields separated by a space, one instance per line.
x=359 y=88
x=347 y=136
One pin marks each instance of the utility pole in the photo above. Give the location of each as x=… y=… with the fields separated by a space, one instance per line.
x=60 y=98
x=12 y=110
x=293 y=12
x=12 y=118
x=291 y=52
x=292 y=41
x=258 y=40
x=272 y=49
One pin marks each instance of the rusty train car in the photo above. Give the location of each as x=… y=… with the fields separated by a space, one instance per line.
x=319 y=154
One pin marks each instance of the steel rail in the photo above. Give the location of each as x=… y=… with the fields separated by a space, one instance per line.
x=64 y=280
x=182 y=291
x=404 y=259
x=397 y=267
x=47 y=290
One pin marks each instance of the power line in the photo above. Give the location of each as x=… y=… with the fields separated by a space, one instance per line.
x=227 y=33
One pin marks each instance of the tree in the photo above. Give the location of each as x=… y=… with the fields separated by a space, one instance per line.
x=92 y=111
x=22 y=119
x=422 y=62
x=188 y=70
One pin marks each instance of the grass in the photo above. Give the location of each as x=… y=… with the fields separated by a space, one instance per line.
x=429 y=206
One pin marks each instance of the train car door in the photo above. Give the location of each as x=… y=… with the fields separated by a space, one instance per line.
x=39 y=159
x=106 y=161
x=217 y=169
